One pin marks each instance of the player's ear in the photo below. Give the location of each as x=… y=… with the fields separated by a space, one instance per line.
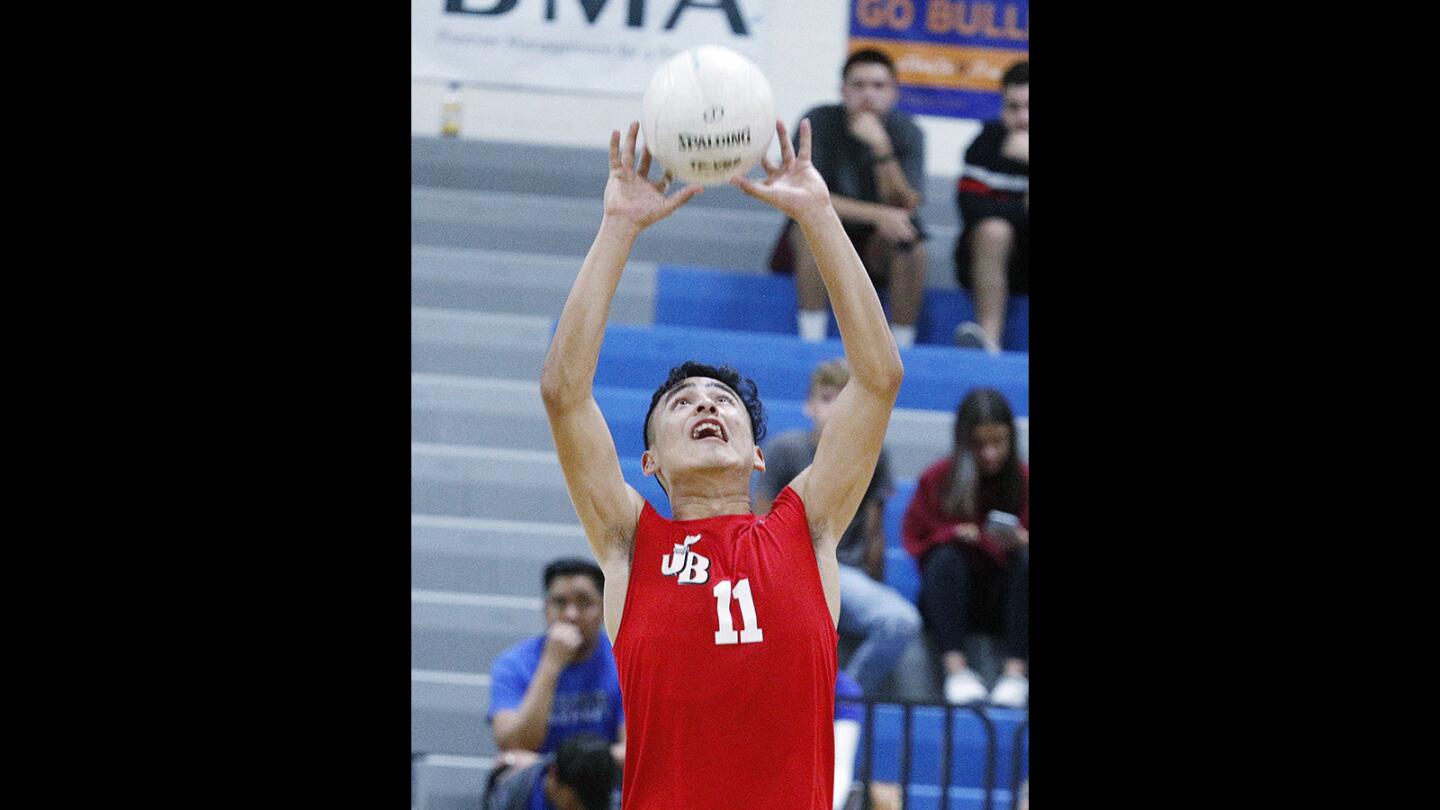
x=648 y=465
x=759 y=460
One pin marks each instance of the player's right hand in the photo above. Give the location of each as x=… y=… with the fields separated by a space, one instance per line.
x=630 y=196
x=562 y=642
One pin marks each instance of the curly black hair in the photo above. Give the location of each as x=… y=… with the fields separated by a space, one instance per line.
x=744 y=387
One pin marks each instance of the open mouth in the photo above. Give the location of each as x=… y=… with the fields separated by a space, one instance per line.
x=709 y=429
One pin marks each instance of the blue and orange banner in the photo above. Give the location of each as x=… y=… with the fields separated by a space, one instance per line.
x=949 y=54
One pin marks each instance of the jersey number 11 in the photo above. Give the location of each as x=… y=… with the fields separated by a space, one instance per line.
x=726 y=634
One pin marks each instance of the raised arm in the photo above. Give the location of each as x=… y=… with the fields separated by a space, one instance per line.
x=608 y=507
x=833 y=485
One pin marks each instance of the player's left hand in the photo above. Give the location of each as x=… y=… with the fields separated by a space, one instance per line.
x=630 y=196
x=795 y=186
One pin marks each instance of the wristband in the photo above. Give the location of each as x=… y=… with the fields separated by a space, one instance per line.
x=885 y=159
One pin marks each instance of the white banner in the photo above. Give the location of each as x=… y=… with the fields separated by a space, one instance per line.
x=590 y=47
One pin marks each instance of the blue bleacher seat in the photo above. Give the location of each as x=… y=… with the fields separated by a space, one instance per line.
x=967 y=754
x=625 y=409
x=945 y=309
x=901 y=571
x=936 y=377
x=715 y=298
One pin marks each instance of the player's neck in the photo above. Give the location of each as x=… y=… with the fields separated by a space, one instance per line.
x=698 y=507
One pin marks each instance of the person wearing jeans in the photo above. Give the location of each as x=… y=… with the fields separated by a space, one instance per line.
x=885 y=621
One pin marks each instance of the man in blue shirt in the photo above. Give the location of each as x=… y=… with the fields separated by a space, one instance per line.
x=562 y=682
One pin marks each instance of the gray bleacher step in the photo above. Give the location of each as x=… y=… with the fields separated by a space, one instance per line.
x=474 y=555
x=560 y=171
x=465 y=632
x=738 y=239
x=503 y=413
x=450 y=782
x=568 y=171
x=519 y=283
x=486 y=412
x=447 y=713
x=491 y=483
x=478 y=343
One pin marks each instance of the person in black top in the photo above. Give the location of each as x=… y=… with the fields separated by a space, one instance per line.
x=992 y=255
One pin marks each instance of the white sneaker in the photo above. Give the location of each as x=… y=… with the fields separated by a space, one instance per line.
x=963 y=686
x=1012 y=691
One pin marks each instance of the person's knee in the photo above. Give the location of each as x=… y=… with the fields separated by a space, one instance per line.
x=897 y=624
x=1019 y=560
x=905 y=621
x=910 y=262
x=994 y=234
x=943 y=561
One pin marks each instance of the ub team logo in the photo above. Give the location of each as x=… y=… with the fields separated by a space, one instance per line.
x=693 y=568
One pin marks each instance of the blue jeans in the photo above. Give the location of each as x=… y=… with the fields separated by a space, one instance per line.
x=882 y=617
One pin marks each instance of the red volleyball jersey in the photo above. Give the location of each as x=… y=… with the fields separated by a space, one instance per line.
x=727 y=659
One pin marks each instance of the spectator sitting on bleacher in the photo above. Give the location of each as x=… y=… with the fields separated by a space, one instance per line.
x=972 y=565
x=580 y=775
x=992 y=255
x=872 y=157
x=564 y=681
x=885 y=621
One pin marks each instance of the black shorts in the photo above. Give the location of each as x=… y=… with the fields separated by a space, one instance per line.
x=782 y=258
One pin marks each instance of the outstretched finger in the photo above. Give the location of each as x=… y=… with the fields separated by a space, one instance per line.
x=678 y=199
x=787 y=152
x=627 y=152
x=614 y=148
x=751 y=188
x=644 y=168
x=805 y=139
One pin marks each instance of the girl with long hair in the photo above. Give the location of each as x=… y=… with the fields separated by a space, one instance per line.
x=968 y=528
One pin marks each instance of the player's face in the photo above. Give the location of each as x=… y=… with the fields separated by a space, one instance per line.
x=990 y=442
x=701 y=424
x=818 y=405
x=575 y=599
x=1015 y=107
x=869 y=87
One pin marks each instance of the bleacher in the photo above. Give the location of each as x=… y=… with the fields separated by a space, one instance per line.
x=490 y=270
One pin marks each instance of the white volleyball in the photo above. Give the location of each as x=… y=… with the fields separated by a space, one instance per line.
x=708 y=115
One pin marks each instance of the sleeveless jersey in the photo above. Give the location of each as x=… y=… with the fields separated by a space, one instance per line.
x=727 y=657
